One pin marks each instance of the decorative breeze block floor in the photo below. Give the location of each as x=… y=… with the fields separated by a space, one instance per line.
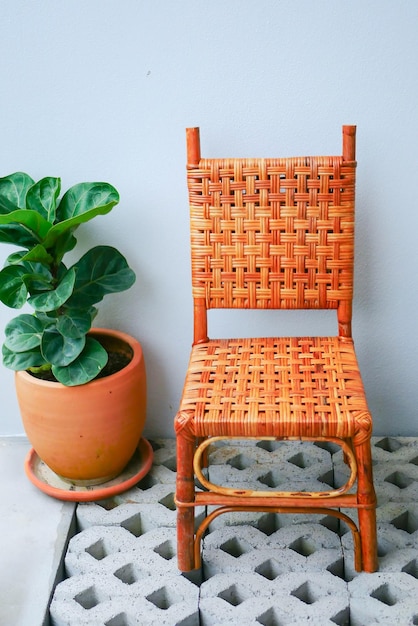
x=258 y=569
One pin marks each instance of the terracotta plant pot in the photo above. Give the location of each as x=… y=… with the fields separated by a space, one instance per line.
x=87 y=434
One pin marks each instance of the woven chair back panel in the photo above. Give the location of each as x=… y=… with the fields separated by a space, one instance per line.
x=272 y=233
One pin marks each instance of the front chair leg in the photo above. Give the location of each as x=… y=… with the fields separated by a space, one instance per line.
x=366 y=496
x=185 y=493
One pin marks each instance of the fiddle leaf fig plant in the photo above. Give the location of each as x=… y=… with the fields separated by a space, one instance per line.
x=54 y=337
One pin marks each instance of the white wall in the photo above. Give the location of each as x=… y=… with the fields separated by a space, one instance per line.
x=103 y=89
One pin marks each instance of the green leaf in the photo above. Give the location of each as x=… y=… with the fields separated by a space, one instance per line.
x=22 y=360
x=23 y=333
x=38 y=277
x=13 y=291
x=74 y=323
x=38 y=254
x=42 y=197
x=100 y=271
x=80 y=204
x=53 y=299
x=60 y=350
x=17 y=236
x=84 y=197
x=63 y=243
x=13 y=190
x=85 y=368
x=32 y=222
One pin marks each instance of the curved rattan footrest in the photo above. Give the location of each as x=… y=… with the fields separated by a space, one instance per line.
x=199 y=461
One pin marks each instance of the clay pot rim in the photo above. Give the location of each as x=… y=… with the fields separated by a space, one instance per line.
x=104 y=382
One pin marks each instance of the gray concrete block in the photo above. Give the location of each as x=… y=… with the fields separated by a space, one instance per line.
x=395 y=449
x=288 y=463
x=394 y=559
x=137 y=518
x=270 y=562
x=261 y=568
x=270 y=522
x=159 y=474
x=301 y=547
x=164 y=452
x=100 y=600
x=397 y=528
x=383 y=598
x=310 y=537
x=91 y=551
x=139 y=512
x=289 y=599
x=400 y=482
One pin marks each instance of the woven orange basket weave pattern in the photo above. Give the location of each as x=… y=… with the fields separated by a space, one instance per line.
x=287 y=386
x=272 y=233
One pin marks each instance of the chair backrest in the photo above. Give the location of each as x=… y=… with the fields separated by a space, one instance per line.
x=272 y=233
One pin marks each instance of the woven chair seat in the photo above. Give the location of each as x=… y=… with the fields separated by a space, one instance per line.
x=279 y=387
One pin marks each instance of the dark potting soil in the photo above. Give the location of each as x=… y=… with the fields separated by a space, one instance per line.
x=116 y=362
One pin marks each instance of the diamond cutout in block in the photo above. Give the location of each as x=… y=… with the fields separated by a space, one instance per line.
x=303 y=547
x=147 y=482
x=337 y=568
x=306 y=593
x=129 y=574
x=236 y=547
x=399 y=479
x=168 y=502
x=300 y=460
x=133 y=525
x=268 y=445
x=167 y=550
x=328 y=446
x=269 y=523
x=88 y=598
x=119 y=620
x=384 y=547
x=98 y=550
x=411 y=568
x=332 y=523
x=270 y=618
x=407 y=521
x=271 y=479
x=234 y=595
x=108 y=504
x=170 y=464
x=240 y=462
x=163 y=598
x=342 y=618
x=387 y=594
x=389 y=444
x=328 y=478
x=270 y=569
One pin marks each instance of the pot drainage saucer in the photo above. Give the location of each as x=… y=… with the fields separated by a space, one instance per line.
x=50 y=483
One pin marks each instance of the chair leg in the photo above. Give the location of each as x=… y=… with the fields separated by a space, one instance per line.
x=367 y=497
x=185 y=495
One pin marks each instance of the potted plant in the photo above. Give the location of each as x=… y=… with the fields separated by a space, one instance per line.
x=66 y=378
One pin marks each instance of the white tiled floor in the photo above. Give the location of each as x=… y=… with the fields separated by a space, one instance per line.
x=33 y=533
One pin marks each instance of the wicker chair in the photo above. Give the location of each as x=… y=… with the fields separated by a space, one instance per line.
x=273 y=234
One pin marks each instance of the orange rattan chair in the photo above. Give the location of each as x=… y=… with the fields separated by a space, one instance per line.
x=273 y=234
